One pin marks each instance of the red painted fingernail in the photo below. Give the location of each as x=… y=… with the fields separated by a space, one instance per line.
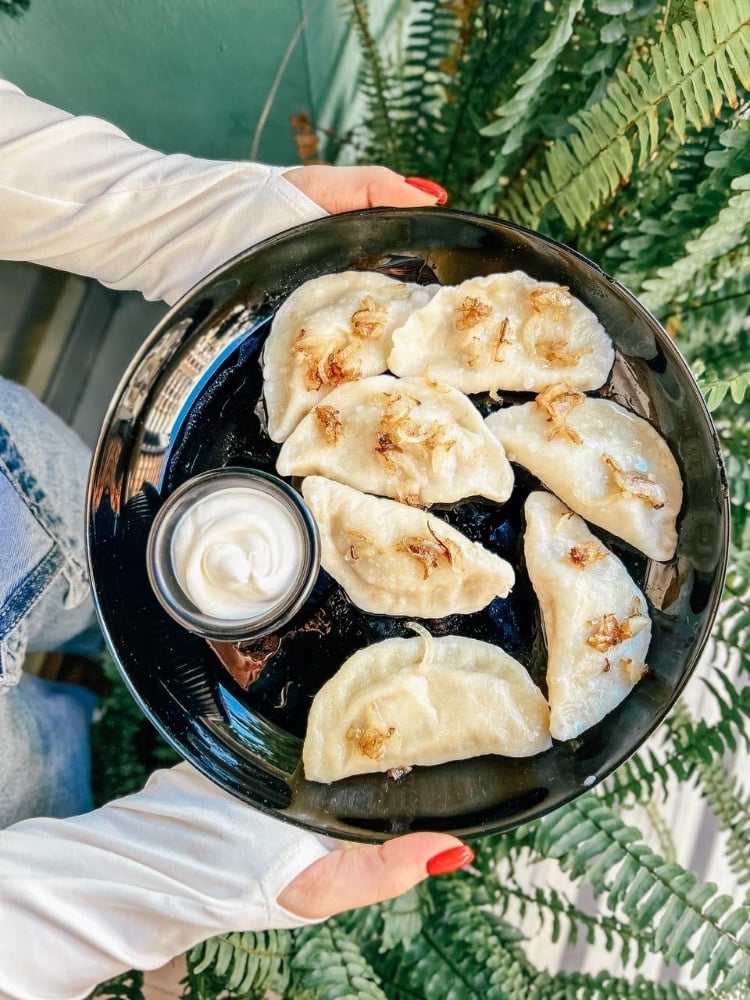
x=450 y=860
x=429 y=187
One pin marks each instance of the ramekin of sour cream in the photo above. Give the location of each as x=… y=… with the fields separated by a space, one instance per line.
x=233 y=554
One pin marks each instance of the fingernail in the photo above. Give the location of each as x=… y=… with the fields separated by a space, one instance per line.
x=450 y=860
x=429 y=187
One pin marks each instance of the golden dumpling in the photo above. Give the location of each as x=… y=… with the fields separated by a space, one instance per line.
x=596 y=619
x=607 y=464
x=417 y=442
x=423 y=701
x=396 y=560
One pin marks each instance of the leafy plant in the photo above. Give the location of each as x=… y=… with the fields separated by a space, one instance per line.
x=619 y=127
x=14 y=7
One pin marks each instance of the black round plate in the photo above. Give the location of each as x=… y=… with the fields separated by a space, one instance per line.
x=191 y=401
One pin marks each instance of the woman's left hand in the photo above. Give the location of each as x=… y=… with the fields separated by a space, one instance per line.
x=359 y=876
x=344 y=189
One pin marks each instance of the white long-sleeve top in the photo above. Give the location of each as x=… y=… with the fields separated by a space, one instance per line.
x=144 y=878
x=79 y=195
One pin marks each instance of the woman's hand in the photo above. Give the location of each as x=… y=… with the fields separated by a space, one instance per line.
x=359 y=876
x=343 y=189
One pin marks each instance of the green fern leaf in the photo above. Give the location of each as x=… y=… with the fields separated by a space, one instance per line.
x=243 y=961
x=128 y=986
x=329 y=963
x=582 y=172
x=722 y=236
x=513 y=115
x=14 y=7
x=652 y=893
x=604 y=986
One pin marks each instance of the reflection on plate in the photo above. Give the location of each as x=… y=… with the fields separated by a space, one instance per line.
x=191 y=401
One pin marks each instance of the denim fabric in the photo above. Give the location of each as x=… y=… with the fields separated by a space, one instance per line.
x=45 y=604
x=44 y=751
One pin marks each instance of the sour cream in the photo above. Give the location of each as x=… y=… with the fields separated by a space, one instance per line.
x=236 y=553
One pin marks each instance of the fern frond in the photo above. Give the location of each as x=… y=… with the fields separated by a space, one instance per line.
x=244 y=961
x=562 y=916
x=14 y=7
x=637 y=779
x=329 y=963
x=731 y=806
x=463 y=951
x=572 y=985
x=730 y=228
x=715 y=390
x=128 y=986
x=379 y=89
x=433 y=35
x=516 y=115
x=690 y=921
x=673 y=200
x=693 y=68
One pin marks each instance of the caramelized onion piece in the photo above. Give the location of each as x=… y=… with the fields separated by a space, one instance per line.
x=503 y=337
x=558 y=401
x=472 y=311
x=369 y=320
x=638 y=484
x=324 y=366
x=553 y=301
x=371 y=741
x=429 y=552
x=632 y=671
x=558 y=353
x=358 y=542
x=400 y=432
x=329 y=419
x=583 y=555
x=609 y=632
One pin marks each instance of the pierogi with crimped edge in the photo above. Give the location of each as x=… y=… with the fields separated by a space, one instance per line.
x=331 y=330
x=595 y=618
x=396 y=560
x=417 y=442
x=423 y=701
x=607 y=464
x=503 y=331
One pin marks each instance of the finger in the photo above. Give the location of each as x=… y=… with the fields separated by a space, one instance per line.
x=345 y=189
x=344 y=880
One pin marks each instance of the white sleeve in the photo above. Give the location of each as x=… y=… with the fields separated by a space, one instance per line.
x=137 y=882
x=79 y=195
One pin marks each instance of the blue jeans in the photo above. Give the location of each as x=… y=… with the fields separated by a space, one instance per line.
x=45 y=604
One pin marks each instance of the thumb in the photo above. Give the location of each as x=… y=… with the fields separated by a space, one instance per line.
x=359 y=876
x=344 y=189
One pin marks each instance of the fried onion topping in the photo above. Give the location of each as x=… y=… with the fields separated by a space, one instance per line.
x=553 y=301
x=323 y=365
x=558 y=402
x=329 y=419
x=371 y=741
x=472 y=312
x=583 y=555
x=638 y=484
x=609 y=632
x=368 y=321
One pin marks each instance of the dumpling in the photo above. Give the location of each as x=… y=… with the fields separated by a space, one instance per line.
x=395 y=560
x=423 y=701
x=401 y=438
x=606 y=463
x=504 y=331
x=331 y=330
x=595 y=618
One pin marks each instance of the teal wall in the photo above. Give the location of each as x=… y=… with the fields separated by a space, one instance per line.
x=186 y=75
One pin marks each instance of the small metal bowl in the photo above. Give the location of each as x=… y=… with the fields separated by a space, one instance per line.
x=160 y=563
